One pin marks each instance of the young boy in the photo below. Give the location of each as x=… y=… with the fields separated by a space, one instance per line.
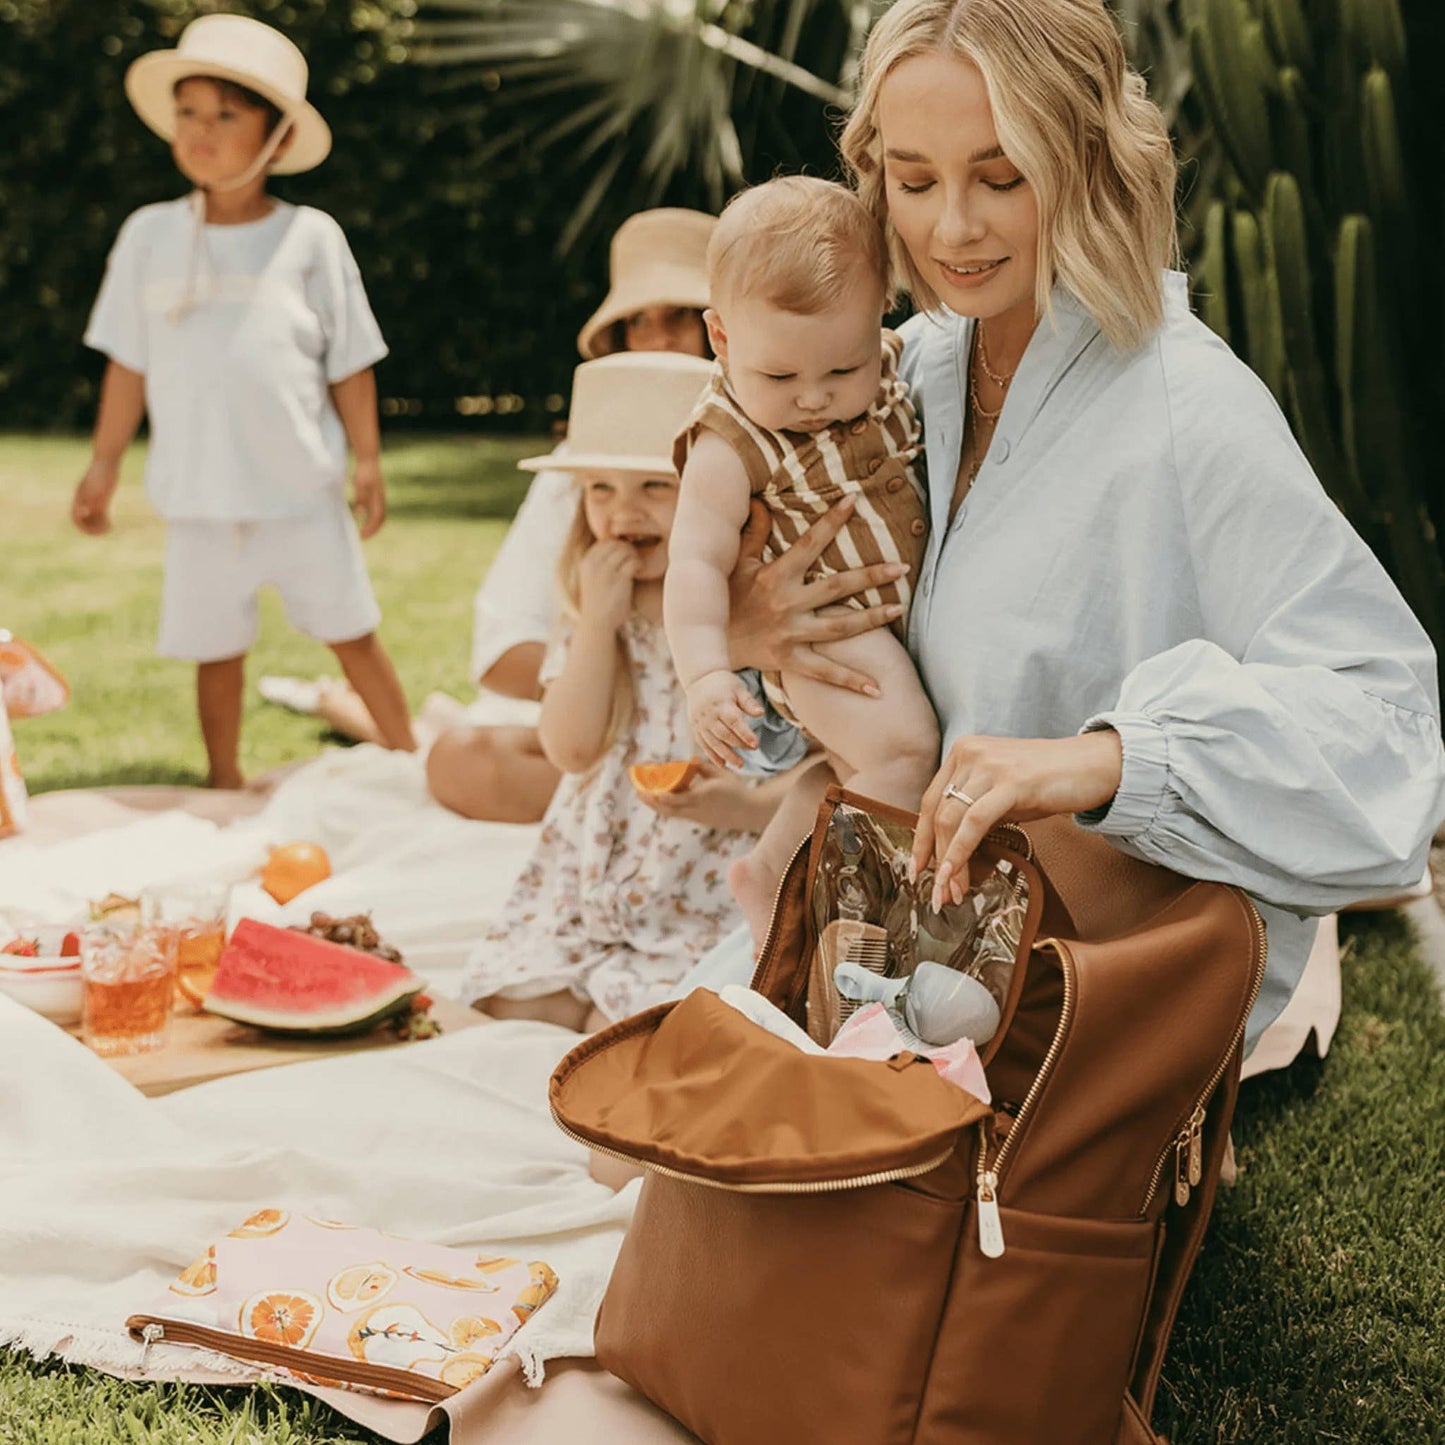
x=805 y=407
x=240 y=325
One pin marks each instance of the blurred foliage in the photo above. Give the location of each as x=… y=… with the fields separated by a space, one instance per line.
x=1312 y=240
x=458 y=259
x=648 y=102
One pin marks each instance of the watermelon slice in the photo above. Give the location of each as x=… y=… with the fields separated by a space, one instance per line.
x=291 y=983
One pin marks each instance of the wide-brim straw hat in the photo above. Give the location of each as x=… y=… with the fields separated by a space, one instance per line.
x=659 y=258
x=627 y=409
x=238 y=49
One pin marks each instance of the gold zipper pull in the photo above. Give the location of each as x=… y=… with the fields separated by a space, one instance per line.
x=1181 y=1169
x=1196 y=1147
x=150 y=1334
x=990 y=1227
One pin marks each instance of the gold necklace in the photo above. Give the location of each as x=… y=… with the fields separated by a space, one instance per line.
x=978 y=406
x=988 y=371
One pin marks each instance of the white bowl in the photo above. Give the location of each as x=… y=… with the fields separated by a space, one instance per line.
x=52 y=989
x=48 y=984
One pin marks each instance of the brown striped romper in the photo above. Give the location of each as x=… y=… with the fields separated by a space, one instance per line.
x=875 y=457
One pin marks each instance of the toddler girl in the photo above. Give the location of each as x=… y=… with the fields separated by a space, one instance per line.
x=804 y=407
x=617 y=902
x=240 y=325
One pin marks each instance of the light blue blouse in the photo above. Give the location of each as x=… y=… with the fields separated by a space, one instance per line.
x=1146 y=548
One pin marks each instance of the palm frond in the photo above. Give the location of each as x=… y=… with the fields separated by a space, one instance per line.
x=642 y=95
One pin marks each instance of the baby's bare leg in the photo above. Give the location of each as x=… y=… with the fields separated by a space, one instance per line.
x=890 y=743
x=754 y=879
x=562 y=1007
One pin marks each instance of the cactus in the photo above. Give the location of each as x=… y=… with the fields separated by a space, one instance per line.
x=1308 y=260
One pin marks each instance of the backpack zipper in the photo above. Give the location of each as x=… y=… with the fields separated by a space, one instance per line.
x=1187 y=1146
x=990 y=1226
x=330 y=1367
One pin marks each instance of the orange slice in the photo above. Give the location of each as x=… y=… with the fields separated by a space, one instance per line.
x=673 y=777
x=282 y=1317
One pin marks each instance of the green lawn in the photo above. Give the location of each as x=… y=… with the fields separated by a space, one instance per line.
x=1317 y=1314
x=92 y=604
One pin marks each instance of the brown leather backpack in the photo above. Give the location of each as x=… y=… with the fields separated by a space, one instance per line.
x=807 y=1259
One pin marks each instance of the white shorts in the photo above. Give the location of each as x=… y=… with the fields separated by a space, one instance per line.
x=215 y=569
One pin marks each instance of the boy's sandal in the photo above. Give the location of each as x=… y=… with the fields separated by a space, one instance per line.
x=299 y=694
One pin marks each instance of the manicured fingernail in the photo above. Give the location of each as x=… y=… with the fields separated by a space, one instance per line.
x=872 y=690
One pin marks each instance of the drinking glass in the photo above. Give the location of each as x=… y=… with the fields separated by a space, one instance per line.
x=196 y=914
x=128 y=980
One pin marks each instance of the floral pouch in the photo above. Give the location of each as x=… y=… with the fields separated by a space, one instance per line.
x=336 y=1304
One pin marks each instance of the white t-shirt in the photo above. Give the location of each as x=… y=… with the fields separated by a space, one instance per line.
x=243 y=427
x=518 y=601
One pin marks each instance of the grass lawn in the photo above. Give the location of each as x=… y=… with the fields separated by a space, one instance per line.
x=92 y=604
x=1318 y=1311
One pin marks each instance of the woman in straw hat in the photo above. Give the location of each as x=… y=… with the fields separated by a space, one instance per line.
x=240 y=325
x=657 y=294
x=1137 y=604
x=617 y=902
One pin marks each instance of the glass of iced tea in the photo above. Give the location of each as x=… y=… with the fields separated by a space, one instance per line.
x=196 y=915
x=128 y=980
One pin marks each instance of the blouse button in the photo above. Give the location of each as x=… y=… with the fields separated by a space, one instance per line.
x=858 y=427
x=874 y=464
x=1000 y=449
x=895 y=484
x=918 y=526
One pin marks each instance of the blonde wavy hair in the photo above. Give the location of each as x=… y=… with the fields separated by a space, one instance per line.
x=579 y=539
x=1076 y=121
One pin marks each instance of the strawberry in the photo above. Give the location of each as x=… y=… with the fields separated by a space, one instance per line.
x=70 y=945
x=22 y=948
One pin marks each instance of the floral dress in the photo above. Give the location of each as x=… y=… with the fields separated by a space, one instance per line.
x=617 y=902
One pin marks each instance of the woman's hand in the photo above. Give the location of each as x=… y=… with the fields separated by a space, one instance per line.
x=604 y=580
x=718 y=708
x=1007 y=778
x=773 y=609
x=719 y=798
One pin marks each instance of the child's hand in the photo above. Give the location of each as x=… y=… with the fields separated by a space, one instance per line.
x=604 y=580
x=719 y=706
x=90 y=507
x=368 y=497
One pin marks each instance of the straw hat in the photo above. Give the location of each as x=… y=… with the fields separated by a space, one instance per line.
x=626 y=410
x=659 y=258
x=235 y=48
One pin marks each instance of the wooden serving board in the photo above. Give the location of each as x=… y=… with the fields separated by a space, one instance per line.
x=203 y=1047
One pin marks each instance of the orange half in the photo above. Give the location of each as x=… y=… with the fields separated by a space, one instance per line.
x=674 y=777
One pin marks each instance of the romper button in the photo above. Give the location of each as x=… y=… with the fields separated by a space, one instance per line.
x=895 y=484
x=1001 y=449
x=859 y=427
x=918 y=526
x=874 y=464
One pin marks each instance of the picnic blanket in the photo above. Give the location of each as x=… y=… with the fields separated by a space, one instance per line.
x=108 y=1195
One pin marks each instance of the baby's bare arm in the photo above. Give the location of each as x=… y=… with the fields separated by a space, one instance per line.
x=712 y=509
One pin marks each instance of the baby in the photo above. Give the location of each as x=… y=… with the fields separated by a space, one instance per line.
x=804 y=408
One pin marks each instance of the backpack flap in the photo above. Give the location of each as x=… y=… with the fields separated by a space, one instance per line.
x=699 y=1092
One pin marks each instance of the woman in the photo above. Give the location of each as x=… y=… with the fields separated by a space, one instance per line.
x=1137 y=604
